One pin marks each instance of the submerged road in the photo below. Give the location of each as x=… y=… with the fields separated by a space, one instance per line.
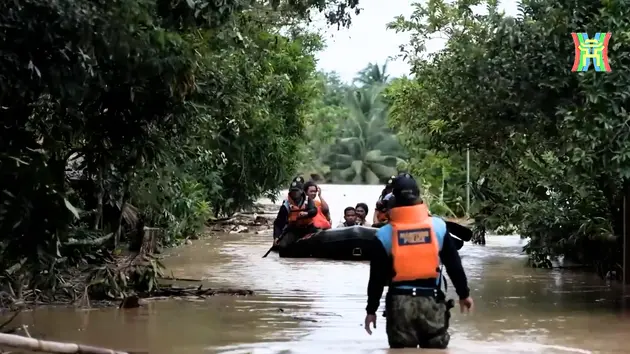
x=316 y=306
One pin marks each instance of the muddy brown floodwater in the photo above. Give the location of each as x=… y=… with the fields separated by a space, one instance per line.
x=316 y=306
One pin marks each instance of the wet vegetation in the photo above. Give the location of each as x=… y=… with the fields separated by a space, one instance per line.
x=352 y=142
x=549 y=147
x=134 y=122
x=131 y=123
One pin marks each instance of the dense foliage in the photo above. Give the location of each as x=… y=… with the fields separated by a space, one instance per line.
x=120 y=114
x=551 y=146
x=350 y=141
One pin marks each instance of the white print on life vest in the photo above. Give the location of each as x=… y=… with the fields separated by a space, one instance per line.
x=414 y=237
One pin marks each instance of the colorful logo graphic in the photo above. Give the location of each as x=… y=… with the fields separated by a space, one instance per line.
x=589 y=51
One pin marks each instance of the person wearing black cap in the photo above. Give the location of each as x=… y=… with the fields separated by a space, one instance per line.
x=380 y=212
x=296 y=213
x=409 y=252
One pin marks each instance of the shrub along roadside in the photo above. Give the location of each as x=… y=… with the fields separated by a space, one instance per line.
x=117 y=115
x=550 y=147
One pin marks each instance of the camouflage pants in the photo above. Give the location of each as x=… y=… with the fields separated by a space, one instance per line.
x=414 y=321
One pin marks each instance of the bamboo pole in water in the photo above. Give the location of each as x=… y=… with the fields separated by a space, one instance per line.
x=36 y=345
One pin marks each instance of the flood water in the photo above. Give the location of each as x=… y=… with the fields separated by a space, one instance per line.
x=315 y=306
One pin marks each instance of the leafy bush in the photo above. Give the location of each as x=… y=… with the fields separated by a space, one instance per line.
x=117 y=115
x=550 y=146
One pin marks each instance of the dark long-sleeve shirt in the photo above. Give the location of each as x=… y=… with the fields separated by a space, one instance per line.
x=282 y=219
x=381 y=270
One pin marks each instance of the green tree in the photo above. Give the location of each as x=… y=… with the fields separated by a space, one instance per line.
x=443 y=174
x=372 y=75
x=323 y=119
x=551 y=146
x=367 y=151
x=350 y=141
x=162 y=112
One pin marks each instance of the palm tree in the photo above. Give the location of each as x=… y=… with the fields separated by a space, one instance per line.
x=372 y=75
x=367 y=151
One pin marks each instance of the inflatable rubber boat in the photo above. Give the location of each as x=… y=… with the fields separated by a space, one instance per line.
x=459 y=233
x=345 y=243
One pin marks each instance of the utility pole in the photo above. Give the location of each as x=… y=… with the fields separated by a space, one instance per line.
x=467 y=181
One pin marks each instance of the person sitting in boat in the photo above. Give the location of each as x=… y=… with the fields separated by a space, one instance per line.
x=350 y=217
x=296 y=213
x=314 y=193
x=380 y=214
x=362 y=210
x=382 y=209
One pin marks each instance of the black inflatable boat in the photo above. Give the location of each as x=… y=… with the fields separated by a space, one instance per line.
x=459 y=233
x=346 y=243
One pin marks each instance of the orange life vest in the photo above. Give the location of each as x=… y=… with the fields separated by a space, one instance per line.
x=381 y=216
x=320 y=221
x=415 y=247
x=295 y=210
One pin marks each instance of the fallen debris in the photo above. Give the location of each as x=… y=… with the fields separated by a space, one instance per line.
x=258 y=219
x=37 y=345
x=130 y=302
x=199 y=291
x=7 y=322
x=238 y=229
x=195 y=293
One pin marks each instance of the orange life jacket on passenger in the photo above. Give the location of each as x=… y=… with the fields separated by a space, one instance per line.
x=320 y=221
x=381 y=216
x=295 y=210
x=415 y=247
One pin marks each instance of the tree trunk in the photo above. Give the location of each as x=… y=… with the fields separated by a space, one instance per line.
x=442 y=188
x=149 y=239
x=123 y=203
x=99 y=198
x=626 y=233
x=36 y=345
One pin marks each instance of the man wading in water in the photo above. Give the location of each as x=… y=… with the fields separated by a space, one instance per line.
x=409 y=252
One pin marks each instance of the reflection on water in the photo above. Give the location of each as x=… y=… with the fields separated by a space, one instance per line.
x=309 y=306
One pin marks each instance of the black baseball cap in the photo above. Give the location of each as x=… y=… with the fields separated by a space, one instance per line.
x=296 y=185
x=405 y=187
x=388 y=185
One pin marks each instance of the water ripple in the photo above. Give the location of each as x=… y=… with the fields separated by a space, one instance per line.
x=308 y=305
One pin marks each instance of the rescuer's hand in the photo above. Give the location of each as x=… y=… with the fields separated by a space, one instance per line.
x=466 y=305
x=370 y=319
x=303 y=214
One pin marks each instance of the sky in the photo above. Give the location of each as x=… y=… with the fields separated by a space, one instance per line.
x=369 y=41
